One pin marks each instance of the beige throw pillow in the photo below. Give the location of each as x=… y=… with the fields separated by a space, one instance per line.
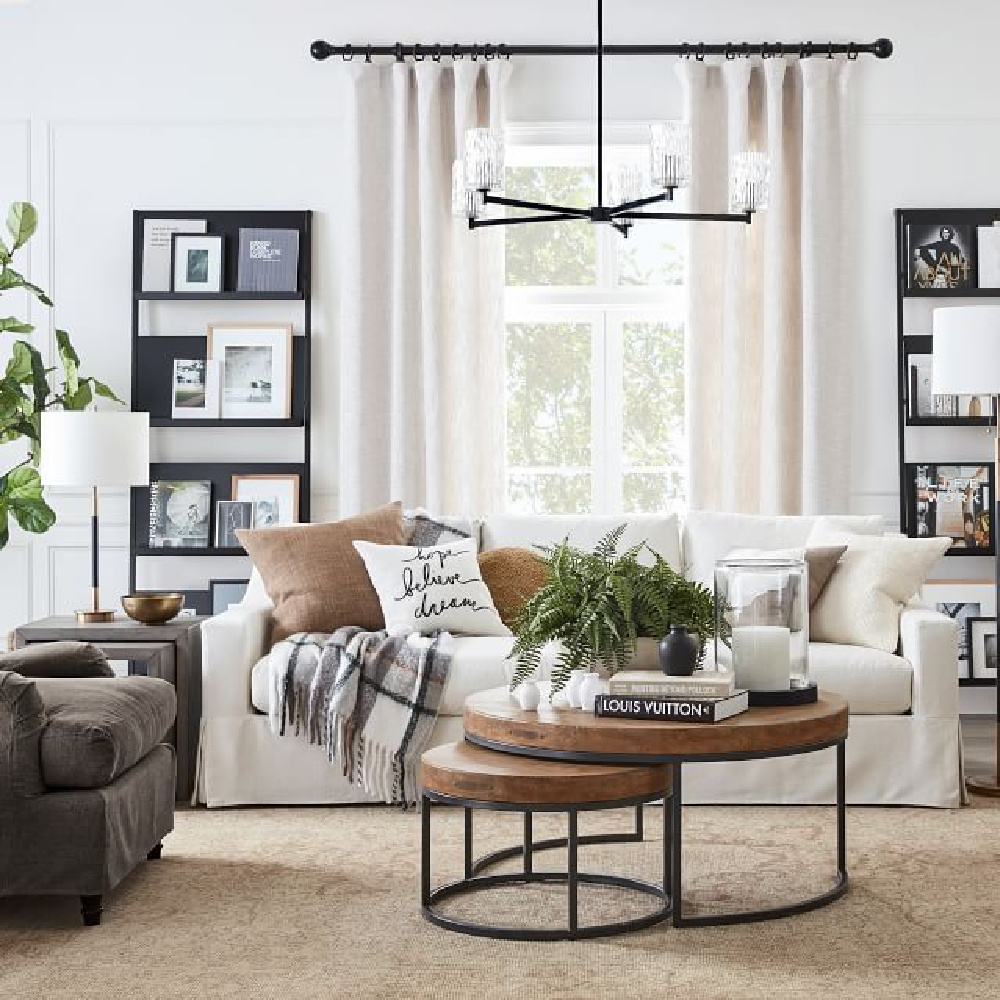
x=874 y=579
x=820 y=561
x=317 y=580
x=513 y=576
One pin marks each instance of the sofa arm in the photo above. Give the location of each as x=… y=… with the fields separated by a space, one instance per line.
x=929 y=640
x=22 y=718
x=231 y=643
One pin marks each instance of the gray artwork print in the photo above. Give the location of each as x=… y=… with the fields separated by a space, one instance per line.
x=249 y=374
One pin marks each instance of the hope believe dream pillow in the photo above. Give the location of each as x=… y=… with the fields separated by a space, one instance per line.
x=431 y=588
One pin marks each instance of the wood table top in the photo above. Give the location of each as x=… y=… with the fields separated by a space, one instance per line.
x=465 y=771
x=494 y=720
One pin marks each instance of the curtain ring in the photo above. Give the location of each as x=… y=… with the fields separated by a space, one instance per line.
x=729 y=51
x=829 y=50
x=418 y=56
x=700 y=54
x=805 y=50
x=347 y=55
x=489 y=54
x=399 y=51
x=455 y=54
x=437 y=53
x=685 y=51
x=368 y=53
x=503 y=52
x=765 y=52
x=745 y=50
x=852 y=52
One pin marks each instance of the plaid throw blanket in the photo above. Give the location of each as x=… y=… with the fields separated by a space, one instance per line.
x=368 y=698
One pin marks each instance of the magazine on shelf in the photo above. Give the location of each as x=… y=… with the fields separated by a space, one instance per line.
x=180 y=513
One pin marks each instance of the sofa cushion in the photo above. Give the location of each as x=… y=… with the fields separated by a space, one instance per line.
x=97 y=728
x=872 y=681
x=313 y=575
x=57 y=659
x=660 y=531
x=513 y=577
x=710 y=536
x=22 y=716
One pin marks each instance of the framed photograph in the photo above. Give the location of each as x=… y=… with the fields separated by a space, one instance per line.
x=196 y=262
x=952 y=501
x=195 y=390
x=275 y=499
x=988 y=255
x=940 y=256
x=256 y=362
x=922 y=406
x=180 y=514
x=226 y=593
x=962 y=600
x=157 y=247
x=982 y=642
x=230 y=516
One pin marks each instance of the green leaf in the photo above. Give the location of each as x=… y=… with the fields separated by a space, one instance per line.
x=4 y=530
x=21 y=497
x=10 y=279
x=5 y=253
x=11 y=324
x=19 y=365
x=104 y=391
x=22 y=221
x=71 y=367
x=80 y=399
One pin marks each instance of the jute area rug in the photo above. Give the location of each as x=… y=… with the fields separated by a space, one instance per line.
x=289 y=903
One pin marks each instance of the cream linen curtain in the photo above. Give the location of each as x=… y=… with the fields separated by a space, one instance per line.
x=769 y=346
x=420 y=368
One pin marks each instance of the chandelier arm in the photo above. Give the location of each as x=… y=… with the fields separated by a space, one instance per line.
x=536 y=206
x=630 y=206
x=521 y=220
x=746 y=217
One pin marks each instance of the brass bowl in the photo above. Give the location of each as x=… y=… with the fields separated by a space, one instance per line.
x=152 y=609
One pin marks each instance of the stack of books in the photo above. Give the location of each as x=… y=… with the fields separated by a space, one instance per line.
x=704 y=696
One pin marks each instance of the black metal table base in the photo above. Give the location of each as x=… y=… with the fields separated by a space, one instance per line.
x=572 y=878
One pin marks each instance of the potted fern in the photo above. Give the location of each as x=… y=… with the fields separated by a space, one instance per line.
x=598 y=604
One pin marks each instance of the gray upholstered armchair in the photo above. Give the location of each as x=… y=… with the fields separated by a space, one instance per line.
x=86 y=785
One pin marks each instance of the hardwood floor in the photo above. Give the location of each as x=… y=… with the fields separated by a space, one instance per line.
x=978 y=739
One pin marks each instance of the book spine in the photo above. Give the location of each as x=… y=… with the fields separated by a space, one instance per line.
x=669 y=689
x=664 y=709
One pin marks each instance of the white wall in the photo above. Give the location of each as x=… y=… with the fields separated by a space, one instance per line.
x=111 y=104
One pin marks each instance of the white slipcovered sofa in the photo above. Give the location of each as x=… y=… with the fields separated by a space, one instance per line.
x=903 y=747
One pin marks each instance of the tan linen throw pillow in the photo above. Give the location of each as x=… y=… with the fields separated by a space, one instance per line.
x=317 y=580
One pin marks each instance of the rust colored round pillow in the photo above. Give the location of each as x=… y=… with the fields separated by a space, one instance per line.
x=513 y=576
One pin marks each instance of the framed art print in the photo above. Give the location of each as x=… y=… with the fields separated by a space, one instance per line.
x=982 y=643
x=196 y=262
x=226 y=593
x=922 y=405
x=275 y=498
x=940 y=256
x=256 y=367
x=194 y=394
x=952 y=501
x=230 y=516
x=963 y=600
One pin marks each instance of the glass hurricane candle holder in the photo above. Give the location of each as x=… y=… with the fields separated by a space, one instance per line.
x=762 y=622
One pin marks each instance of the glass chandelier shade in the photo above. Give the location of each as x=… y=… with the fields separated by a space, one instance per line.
x=627 y=184
x=484 y=159
x=670 y=154
x=466 y=202
x=750 y=182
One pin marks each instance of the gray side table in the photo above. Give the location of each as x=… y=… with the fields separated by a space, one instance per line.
x=171 y=652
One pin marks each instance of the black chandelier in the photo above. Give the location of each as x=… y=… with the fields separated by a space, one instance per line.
x=478 y=176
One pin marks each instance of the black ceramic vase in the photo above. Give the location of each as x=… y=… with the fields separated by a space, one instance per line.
x=678 y=652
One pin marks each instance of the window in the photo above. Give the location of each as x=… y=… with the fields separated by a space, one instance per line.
x=595 y=349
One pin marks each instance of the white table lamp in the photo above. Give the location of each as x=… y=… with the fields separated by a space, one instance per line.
x=966 y=362
x=92 y=448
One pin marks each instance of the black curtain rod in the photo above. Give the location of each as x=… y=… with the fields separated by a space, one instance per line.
x=881 y=48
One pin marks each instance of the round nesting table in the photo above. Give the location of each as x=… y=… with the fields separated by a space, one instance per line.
x=493 y=721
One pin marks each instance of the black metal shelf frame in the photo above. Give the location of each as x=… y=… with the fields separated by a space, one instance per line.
x=152 y=358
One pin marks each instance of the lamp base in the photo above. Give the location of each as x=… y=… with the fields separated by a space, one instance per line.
x=94 y=617
x=983 y=786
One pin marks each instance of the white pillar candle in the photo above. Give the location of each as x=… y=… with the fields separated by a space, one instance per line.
x=762 y=657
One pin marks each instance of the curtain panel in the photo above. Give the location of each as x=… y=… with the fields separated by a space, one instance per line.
x=768 y=378
x=420 y=365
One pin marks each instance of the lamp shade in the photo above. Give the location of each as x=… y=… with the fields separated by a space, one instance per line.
x=94 y=448
x=966 y=358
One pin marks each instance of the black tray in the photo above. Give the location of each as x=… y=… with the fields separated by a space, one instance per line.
x=785 y=697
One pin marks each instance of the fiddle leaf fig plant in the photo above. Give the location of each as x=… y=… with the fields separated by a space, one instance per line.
x=28 y=387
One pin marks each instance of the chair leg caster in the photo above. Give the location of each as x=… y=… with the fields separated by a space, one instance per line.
x=156 y=853
x=91 y=908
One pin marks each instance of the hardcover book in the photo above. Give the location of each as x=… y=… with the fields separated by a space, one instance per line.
x=700 y=684
x=179 y=514
x=671 y=709
x=269 y=260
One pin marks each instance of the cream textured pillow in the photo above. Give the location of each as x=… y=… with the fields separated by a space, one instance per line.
x=874 y=579
x=430 y=589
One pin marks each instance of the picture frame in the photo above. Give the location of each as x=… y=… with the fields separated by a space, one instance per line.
x=275 y=498
x=982 y=642
x=225 y=593
x=988 y=255
x=255 y=362
x=952 y=500
x=231 y=516
x=157 y=244
x=194 y=390
x=941 y=256
x=963 y=600
x=196 y=262
x=180 y=514
x=922 y=406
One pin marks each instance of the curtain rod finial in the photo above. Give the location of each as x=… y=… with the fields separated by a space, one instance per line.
x=320 y=49
x=882 y=48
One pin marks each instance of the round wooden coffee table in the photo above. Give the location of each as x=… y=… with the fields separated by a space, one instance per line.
x=494 y=721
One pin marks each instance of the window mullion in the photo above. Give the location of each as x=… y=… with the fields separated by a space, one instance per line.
x=598 y=437
x=614 y=412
